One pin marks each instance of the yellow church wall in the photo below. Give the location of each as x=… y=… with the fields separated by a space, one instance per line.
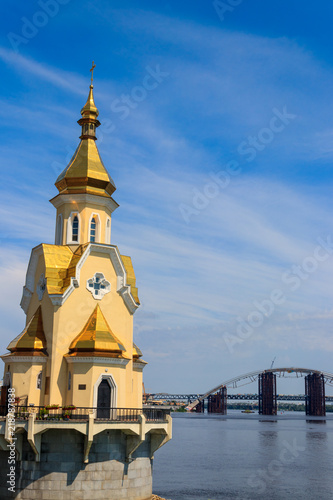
x=137 y=388
x=24 y=381
x=87 y=374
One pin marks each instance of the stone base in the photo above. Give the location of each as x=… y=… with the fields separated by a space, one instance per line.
x=62 y=475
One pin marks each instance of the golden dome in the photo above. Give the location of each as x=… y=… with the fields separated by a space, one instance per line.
x=90 y=106
x=32 y=338
x=86 y=172
x=136 y=352
x=97 y=337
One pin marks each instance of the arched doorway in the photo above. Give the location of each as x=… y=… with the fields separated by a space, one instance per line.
x=105 y=396
x=103 y=399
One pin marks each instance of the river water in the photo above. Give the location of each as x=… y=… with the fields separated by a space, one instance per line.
x=245 y=457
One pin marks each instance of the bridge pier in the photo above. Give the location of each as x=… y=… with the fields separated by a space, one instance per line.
x=267 y=393
x=315 y=395
x=200 y=408
x=217 y=403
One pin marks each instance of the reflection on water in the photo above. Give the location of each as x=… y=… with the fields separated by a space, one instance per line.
x=240 y=458
x=316 y=422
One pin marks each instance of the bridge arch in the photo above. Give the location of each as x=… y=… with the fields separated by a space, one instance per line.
x=253 y=376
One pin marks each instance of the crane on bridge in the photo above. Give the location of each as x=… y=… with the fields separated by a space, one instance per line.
x=273 y=363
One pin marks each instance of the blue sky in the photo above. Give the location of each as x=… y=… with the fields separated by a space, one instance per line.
x=223 y=171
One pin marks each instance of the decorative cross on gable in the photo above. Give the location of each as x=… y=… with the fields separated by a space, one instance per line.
x=98 y=286
x=41 y=286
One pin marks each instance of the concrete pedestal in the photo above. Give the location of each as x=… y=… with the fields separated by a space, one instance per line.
x=61 y=474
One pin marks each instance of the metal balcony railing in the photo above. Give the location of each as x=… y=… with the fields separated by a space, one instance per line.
x=66 y=413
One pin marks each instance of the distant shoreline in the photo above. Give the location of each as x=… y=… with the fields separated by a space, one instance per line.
x=290 y=415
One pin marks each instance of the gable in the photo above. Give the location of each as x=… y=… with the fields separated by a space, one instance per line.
x=63 y=266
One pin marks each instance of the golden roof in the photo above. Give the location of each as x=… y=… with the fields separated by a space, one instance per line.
x=131 y=279
x=32 y=338
x=136 y=352
x=60 y=266
x=97 y=336
x=86 y=172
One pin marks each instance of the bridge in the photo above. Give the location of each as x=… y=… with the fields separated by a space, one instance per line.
x=314 y=397
x=189 y=398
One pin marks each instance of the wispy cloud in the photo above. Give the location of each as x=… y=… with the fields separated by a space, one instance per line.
x=58 y=78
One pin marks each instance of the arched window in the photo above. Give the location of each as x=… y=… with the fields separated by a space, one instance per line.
x=39 y=380
x=93 y=229
x=108 y=232
x=58 y=238
x=7 y=379
x=75 y=228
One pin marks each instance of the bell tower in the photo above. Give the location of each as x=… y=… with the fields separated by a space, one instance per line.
x=84 y=203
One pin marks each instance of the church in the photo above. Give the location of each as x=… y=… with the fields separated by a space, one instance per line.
x=79 y=297
x=75 y=369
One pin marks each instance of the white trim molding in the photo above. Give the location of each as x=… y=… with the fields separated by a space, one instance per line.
x=9 y=358
x=86 y=199
x=39 y=380
x=26 y=297
x=139 y=365
x=29 y=286
x=98 y=286
x=92 y=360
x=113 y=386
x=59 y=230
x=108 y=231
x=7 y=380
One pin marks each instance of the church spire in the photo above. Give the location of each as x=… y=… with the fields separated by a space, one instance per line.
x=89 y=113
x=86 y=172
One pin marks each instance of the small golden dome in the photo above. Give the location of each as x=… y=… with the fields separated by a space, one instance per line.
x=90 y=107
x=32 y=338
x=97 y=337
x=136 y=352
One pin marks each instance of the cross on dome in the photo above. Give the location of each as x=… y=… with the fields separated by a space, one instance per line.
x=92 y=71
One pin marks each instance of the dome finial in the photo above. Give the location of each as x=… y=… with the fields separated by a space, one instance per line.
x=89 y=113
